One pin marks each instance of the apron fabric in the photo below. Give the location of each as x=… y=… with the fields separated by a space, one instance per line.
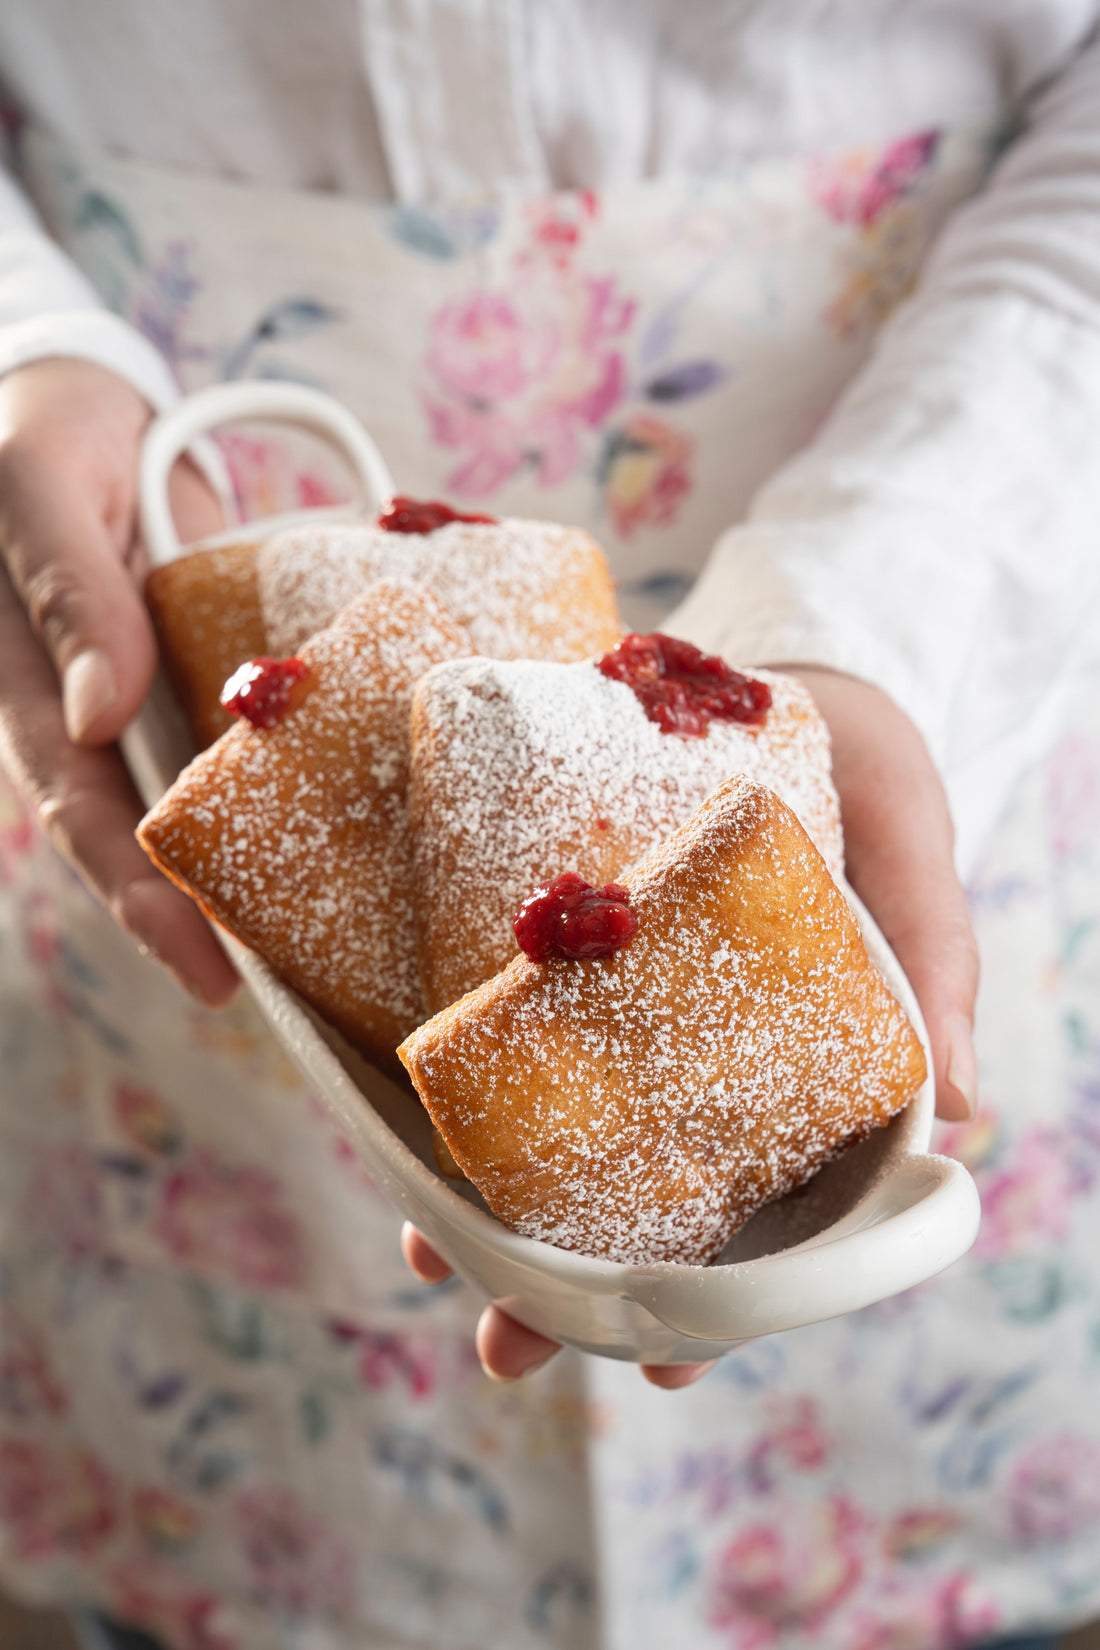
x=226 y=1411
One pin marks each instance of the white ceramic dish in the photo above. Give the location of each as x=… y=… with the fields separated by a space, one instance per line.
x=884 y=1216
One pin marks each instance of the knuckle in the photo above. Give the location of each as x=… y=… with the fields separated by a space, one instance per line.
x=54 y=600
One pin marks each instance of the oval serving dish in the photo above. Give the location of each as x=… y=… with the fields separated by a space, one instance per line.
x=884 y=1215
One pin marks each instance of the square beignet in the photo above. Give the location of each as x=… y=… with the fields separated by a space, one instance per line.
x=295 y=836
x=521 y=769
x=640 y=1106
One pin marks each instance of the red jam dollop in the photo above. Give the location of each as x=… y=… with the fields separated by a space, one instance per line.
x=423 y=515
x=263 y=690
x=682 y=689
x=571 y=919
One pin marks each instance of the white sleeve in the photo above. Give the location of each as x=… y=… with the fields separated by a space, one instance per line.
x=48 y=308
x=941 y=536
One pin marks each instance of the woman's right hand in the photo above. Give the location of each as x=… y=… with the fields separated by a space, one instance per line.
x=77 y=651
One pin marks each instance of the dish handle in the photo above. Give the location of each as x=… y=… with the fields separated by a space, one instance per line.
x=297 y=404
x=916 y=1222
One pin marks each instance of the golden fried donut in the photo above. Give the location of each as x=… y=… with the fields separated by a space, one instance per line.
x=641 y=1105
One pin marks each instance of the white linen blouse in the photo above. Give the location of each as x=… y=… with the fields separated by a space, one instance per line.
x=941 y=534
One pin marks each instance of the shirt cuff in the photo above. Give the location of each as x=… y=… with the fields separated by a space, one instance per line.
x=91 y=335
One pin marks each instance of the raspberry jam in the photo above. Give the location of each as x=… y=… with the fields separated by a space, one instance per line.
x=571 y=919
x=682 y=689
x=263 y=690
x=422 y=515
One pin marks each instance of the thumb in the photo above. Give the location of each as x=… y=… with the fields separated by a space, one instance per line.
x=68 y=570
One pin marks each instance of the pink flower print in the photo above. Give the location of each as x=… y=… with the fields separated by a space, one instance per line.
x=28 y=1385
x=517 y=377
x=295 y=1565
x=384 y=1358
x=646 y=473
x=859 y=186
x=55 y=1499
x=230 y=1219
x=974 y=1143
x=1027 y=1201
x=144 y=1121
x=789 y=1574
x=797 y=1441
x=556 y=226
x=164 y=1520
x=156 y=1597
x=937 y=1615
x=62 y=1203
x=271 y=476
x=1054 y=1490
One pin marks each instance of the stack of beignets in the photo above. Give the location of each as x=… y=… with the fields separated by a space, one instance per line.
x=640 y=1106
x=524 y=589
x=373 y=836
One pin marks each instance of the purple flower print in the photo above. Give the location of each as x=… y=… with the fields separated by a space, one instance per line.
x=218 y=1216
x=294 y=1564
x=1054 y=1490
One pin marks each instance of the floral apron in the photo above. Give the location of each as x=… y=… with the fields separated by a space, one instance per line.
x=226 y=1411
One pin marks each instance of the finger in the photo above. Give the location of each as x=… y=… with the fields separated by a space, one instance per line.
x=671 y=1377
x=428 y=1265
x=196 y=508
x=67 y=566
x=86 y=803
x=899 y=847
x=508 y=1349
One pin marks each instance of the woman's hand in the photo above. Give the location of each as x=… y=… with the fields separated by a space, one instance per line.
x=898 y=847
x=76 y=649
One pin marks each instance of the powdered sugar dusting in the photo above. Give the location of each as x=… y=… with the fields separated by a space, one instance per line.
x=296 y=838
x=640 y=1107
x=524 y=769
x=522 y=588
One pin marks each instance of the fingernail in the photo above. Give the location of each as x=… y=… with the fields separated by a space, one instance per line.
x=517 y=1374
x=962 y=1070
x=88 y=687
